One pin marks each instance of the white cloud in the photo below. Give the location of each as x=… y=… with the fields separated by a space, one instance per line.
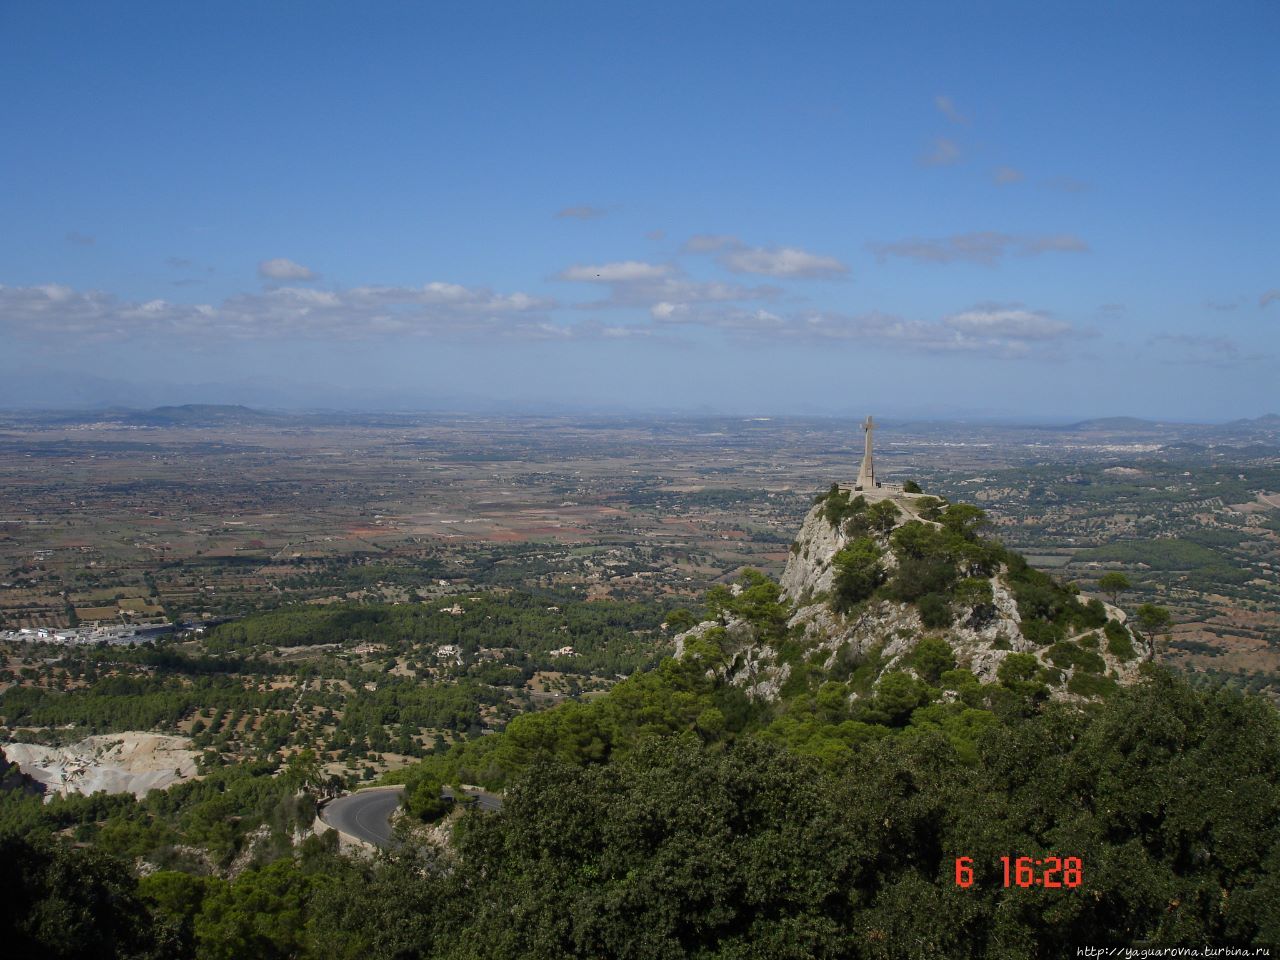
x=710 y=242
x=1268 y=298
x=436 y=309
x=1006 y=175
x=282 y=269
x=736 y=257
x=1005 y=331
x=947 y=107
x=634 y=283
x=81 y=239
x=944 y=153
x=1009 y=323
x=984 y=247
x=781 y=262
x=625 y=271
x=451 y=311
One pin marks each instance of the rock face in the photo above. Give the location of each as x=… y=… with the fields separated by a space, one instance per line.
x=12 y=779
x=115 y=762
x=888 y=631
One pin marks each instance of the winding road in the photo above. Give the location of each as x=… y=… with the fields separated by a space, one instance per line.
x=366 y=815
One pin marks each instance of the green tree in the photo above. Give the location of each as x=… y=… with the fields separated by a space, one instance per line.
x=262 y=914
x=932 y=657
x=935 y=611
x=424 y=799
x=882 y=516
x=1153 y=620
x=1113 y=584
x=898 y=694
x=59 y=901
x=858 y=573
x=679 y=620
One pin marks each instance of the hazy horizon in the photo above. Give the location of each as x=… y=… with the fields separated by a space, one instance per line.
x=885 y=414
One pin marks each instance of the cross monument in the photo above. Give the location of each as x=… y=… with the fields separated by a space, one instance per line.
x=867 y=475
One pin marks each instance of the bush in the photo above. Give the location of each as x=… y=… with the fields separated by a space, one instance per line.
x=975 y=594
x=858 y=573
x=1041 y=632
x=1093 y=615
x=1067 y=654
x=911 y=487
x=897 y=695
x=423 y=799
x=933 y=657
x=1016 y=667
x=883 y=516
x=935 y=612
x=1092 y=685
x=679 y=620
x=840 y=506
x=929 y=508
x=1119 y=643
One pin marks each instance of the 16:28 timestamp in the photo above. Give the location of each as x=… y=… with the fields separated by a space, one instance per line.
x=1046 y=872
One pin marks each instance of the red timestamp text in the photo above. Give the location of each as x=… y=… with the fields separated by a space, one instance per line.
x=1048 y=872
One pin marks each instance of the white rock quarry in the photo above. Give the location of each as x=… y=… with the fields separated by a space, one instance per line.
x=892 y=629
x=115 y=762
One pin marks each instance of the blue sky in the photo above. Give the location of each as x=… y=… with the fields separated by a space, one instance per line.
x=983 y=209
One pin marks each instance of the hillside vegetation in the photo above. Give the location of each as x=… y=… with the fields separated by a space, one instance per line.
x=799 y=780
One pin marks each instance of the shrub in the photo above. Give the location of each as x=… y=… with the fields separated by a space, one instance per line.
x=1093 y=615
x=898 y=694
x=933 y=657
x=839 y=506
x=976 y=595
x=1066 y=654
x=1041 y=632
x=1092 y=685
x=858 y=573
x=1119 y=643
x=930 y=508
x=882 y=516
x=423 y=799
x=935 y=612
x=1017 y=666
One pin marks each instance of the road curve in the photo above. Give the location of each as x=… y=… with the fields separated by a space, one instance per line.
x=366 y=815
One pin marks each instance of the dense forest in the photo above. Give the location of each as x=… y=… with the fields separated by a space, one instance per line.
x=698 y=844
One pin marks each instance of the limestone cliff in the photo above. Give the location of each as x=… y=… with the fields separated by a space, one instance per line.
x=993 y=606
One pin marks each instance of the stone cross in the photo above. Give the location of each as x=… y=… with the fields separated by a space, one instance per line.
x=867 y=475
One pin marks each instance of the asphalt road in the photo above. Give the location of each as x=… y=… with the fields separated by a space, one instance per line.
x=366 y=815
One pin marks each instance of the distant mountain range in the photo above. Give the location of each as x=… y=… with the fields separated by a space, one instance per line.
x=1266 y=425
x=213 y=415
x=200 y=415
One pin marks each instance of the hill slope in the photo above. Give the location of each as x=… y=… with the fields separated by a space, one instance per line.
x=872 y=576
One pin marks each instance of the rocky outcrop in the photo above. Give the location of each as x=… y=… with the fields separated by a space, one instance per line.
x=885 y=631
x=12 y=779
x=130 y=762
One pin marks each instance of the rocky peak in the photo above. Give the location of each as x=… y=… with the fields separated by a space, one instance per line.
x=873 y=573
